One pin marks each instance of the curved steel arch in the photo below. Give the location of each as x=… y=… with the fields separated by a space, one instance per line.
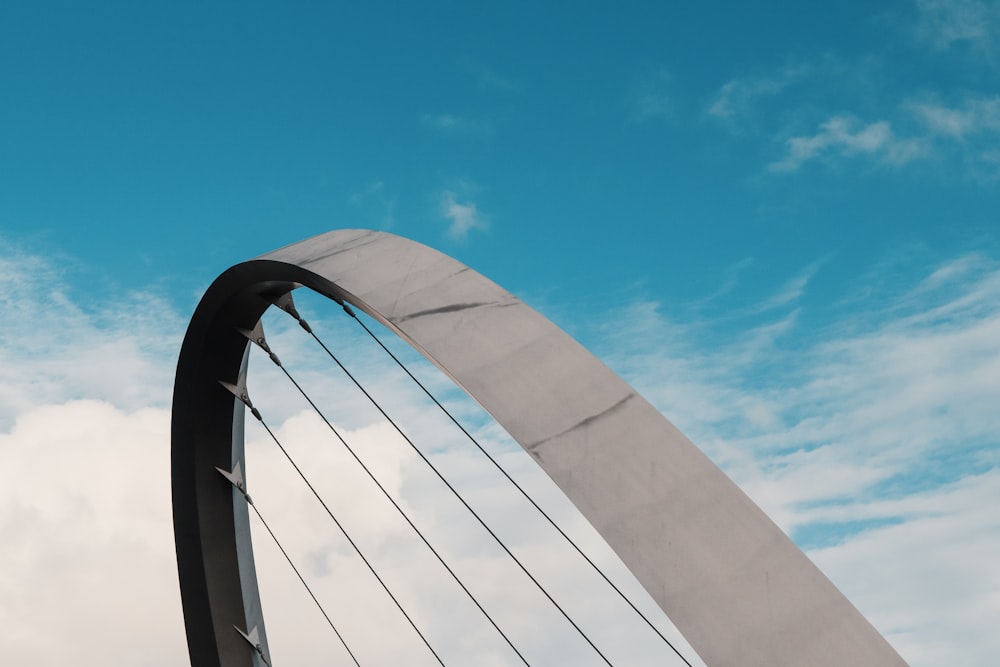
x=735 y=586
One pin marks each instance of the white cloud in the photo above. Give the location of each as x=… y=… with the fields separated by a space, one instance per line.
x=843 y=136
x=87 y=549
x=975 y=116
x=873 y=441
x=463 y=217
x=944 y=23
x=51 y=349
x=951 y=122
x=85 y=509
x=875 y=445
x=969 y=130
x=87 y=553
x=955 y=530
x=785 y=102
x=445 y=121
x=737 y=96
x=792 y=289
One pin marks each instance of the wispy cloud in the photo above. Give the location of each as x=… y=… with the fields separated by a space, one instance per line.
x=936 y=130
x=53 y=350
x=972 y=117
x=875 y=441
x=844 y=136
x=450 y=123
x=653 y=97
x=968 y=130
x=488 y=79
x=836 y=106
x=737 y=96
x=944 y=23
x=792 y=290
x=956 y=581
x=445 y=121
x=463 y=216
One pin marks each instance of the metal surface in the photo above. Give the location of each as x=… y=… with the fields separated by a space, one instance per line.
x=729 y=579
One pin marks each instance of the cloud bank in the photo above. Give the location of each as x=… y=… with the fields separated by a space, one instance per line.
x=872 y=441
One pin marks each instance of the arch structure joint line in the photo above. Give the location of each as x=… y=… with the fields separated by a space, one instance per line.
x=735 y=586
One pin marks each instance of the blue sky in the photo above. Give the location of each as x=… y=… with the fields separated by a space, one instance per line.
x=779 y=221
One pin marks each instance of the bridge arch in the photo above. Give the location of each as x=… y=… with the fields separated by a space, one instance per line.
x=736 y=587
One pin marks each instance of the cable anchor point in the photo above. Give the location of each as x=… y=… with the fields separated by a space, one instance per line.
x=240 y=392
x=256 y=336
x=236 y=479
x=285 y=303
x=253 y=638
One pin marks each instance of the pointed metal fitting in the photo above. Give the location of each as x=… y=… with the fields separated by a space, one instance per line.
x=253 y=638
x=256 y=336
x=240 y=392
x=236 y=479
x=285 y=303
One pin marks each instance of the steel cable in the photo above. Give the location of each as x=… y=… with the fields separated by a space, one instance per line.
x=274 y=358
x=305 y=326
x=301 y=578
x=472 y=439
x=256 y=413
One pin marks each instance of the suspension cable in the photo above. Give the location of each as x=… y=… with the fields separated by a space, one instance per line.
x=260 y=341
x=308 y=590
x=305 y=326
x=257 y=415
x=236 y=480
x=496 y=464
